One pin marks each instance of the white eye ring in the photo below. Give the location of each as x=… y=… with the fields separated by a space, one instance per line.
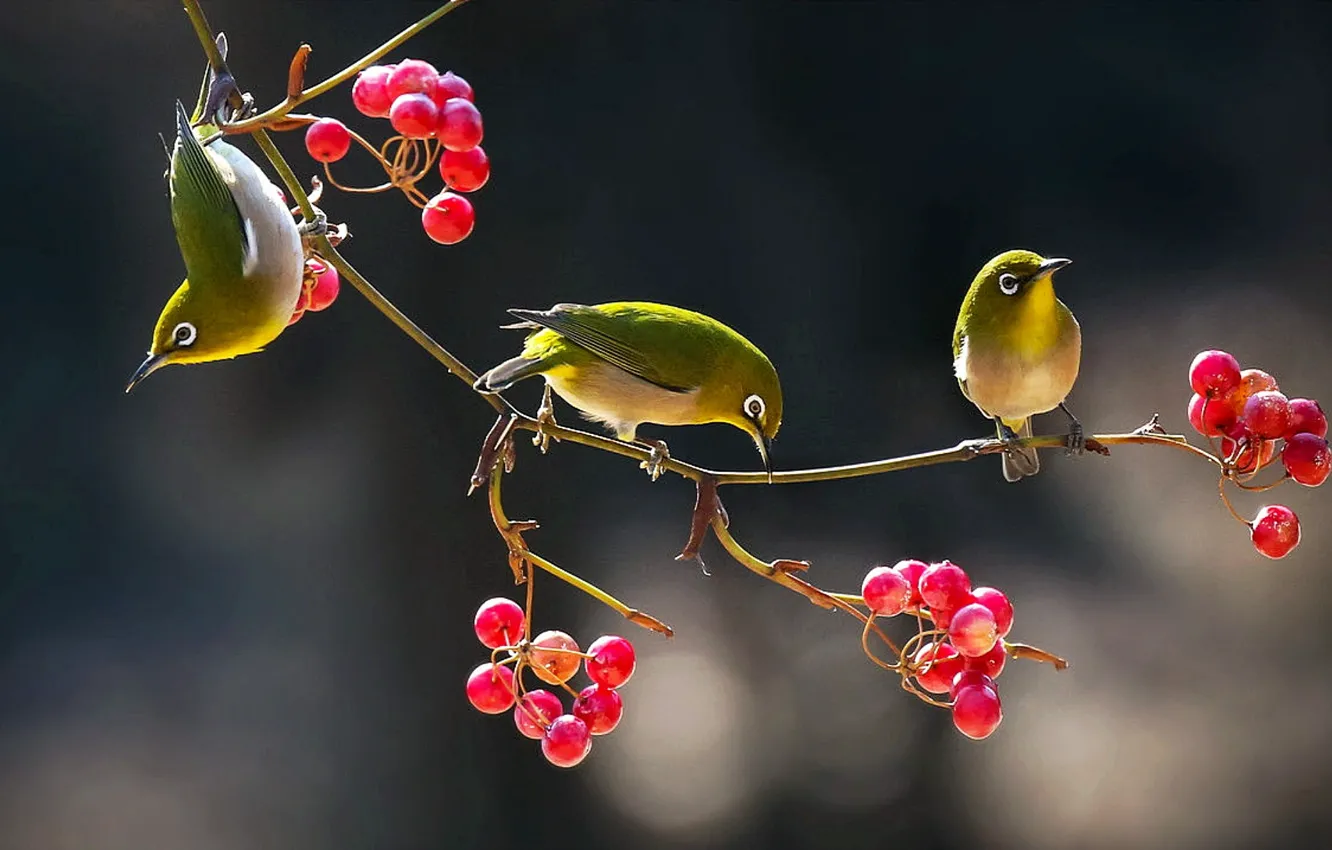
x=184 y=335
x=1008 y=283
x=755 y=407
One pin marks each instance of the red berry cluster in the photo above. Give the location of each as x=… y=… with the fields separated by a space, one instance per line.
x=553 y=656
x=1248 y=412
x=426 y=106
x=966 y=651
x=319 y=289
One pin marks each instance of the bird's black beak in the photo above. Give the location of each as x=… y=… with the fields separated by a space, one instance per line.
x=1051 y=266
x=146 y=368
x=765 y=451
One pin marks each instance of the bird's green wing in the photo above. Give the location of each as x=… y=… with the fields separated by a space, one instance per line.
x=621 y=339
x=209 y=226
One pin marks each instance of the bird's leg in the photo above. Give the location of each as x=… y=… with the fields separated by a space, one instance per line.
x=313 y=228
x=545 y=416
x=1077 y=441
x=658 y=455
x=1008 y=435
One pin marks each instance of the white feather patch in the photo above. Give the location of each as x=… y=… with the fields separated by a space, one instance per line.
x=251 y=248
x=960 y=363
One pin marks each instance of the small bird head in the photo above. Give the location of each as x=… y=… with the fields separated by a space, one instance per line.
x=1014 y=274
x=756 y=405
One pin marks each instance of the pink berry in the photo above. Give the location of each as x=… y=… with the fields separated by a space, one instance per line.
x=465 y=171
x=977 y=711
x=535 y=712
x=1267 y=414
x=970 y=679
x=1275 y=531
x=1214 y=373
x=945 y=586
x=555 y=657
x=490 y=689
x=498 y=622
x=1306 y=417
x=943 y=664
x=1251 y=381
x=449 y=86
x=885 y=591
x=1307 y=459
x=459 y=124
x=370 y=91
x=567 y=741
x=611 y=661
x=999 y=605
x=1246 y=458
x=600 y=708
x=412 y=76
x=327 y=140
x=991 y=663
x=414 y=116
x=448 y=218
x=912 y=570
x=326 y=286
x=942 y=617
x=1220 y=415
x=972 y=630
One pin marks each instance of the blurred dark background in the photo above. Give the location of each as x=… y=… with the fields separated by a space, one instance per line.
x=235 y=606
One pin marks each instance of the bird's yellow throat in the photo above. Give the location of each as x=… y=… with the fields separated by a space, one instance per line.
x=1036 y=329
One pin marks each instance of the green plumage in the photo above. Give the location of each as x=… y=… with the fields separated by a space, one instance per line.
x=208 y=224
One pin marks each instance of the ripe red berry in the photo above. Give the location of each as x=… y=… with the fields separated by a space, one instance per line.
x=912 y=570
x=1267 y=414
x=326 y=286
x=558 y=666
x=450 y=85
x=498 y=622
x=943 y=664
x=459 y=124
x=1275 y=531
x=977 y=711
x=1248 y=459
x=600 y=708
x=611 y=661
x=945 y=586
x=991 y=663
x=465 y=171
x=1306 y=417
x=999 y=605
x=535 y=712
x=414 y=116
x=1307 y=459
x=327 y=140
x=972 y=630
x=885 y=591
x=1251 y=381
x=412 y=76
x=448 y=218
x=490 y=689
x=1214 y=373
x=970 y=679
x=567 y=741
x=370 y=91
x=1219 y=413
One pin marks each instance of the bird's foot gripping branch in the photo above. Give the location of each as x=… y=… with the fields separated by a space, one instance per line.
x=955 y=645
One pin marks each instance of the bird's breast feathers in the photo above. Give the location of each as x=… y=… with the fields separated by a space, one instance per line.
x=273 y=244
x=607 y=394
x=1013 y=384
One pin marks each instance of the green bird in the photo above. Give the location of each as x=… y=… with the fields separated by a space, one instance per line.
x=242 y=250
x=629 y=362
x=1016 y=350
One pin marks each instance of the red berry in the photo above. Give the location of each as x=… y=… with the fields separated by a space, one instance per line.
x=977 y=712
x=1306 y=417
x=912 y=570
x=327 y=140
x=972 y=630
x=414 y=116
x=945 y=586
x=1247 y=459
x=459 y=126
x=1267 y=414
x=1251 y=381
x=1307 y=459
x=490 y=689
x=991 y=663
x=970 y=679
x=326 y=286
x=567 y=741
x=1275 y=531
x=1214 y=373
x=535 y=712
x=370 y=91
x=465 y=171
x=611 y=662
x=448 y=218
x=942 y=617
x=498 y=622
x=450 y=85
x=600 y=708
x=999 y=605
x=943 y=664
x=1220 y=415
x=885 y=591
x=412 y=76
x=558 y=666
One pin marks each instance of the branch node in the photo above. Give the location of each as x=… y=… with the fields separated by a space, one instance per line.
x=296 y=74
x=707 y=507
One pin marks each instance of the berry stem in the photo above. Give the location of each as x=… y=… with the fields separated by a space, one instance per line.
x=1022 y=650
x=1225 y=500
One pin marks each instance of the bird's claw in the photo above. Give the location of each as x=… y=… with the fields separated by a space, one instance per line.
x=1076 y=443
x=313 y=228
x=658 y=454
x=545 y=416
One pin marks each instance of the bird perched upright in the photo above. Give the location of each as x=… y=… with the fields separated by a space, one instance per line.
x=242 y=251
x=630 y=362
x=1016 y=350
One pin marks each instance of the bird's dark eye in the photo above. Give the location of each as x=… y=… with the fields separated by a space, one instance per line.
x=184 y=334
x=1008 y=283
x=754 y=406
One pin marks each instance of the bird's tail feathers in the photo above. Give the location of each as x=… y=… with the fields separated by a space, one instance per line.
x=1019 y=463
x=507 y=374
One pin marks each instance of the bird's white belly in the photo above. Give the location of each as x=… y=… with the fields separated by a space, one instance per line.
x=607 y=394
x=1012 y=387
